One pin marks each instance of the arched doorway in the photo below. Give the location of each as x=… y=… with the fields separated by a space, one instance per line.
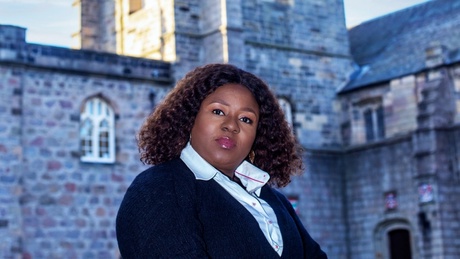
x=394 y=240
x=399 y=244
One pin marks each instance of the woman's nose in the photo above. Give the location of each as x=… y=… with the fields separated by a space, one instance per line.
x=231 y=124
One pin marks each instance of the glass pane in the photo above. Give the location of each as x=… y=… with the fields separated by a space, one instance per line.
x=90 y=107
x=380 y=123
x=86 y=128
x=369 y=125
x=104 y=125
x=86 y=147
x=86 y=133
x=104 y=144
x=99 y=108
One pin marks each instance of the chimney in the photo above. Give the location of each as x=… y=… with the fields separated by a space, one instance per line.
x=12 y=34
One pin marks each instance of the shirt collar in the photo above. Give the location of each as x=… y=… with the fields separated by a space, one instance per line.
x=199 y=167
x=252 y=177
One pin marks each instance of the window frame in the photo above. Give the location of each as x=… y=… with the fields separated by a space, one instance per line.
x=375 y=130
x=371 y=116
x=97 y=111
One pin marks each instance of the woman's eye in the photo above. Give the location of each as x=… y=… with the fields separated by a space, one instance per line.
x=218 y=112
x=246 y=120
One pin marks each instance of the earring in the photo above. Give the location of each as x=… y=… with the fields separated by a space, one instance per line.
x=252 y=155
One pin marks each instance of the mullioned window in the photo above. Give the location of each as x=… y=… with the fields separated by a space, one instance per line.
x=97 y=132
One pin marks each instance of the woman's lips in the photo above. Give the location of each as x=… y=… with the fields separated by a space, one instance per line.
x=226 y=142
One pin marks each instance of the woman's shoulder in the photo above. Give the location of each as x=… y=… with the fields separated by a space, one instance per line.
x=167 y=171
x=163 y=178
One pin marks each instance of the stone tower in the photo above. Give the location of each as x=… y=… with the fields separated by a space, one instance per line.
x=299 y=47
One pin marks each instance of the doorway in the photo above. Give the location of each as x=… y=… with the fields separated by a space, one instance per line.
x=399 y=244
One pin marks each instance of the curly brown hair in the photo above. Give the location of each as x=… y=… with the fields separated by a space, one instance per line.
x=167 y=130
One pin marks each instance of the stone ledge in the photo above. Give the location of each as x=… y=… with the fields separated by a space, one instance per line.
x=85 y=61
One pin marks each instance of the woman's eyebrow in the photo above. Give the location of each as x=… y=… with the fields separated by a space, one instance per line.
x=220 y=101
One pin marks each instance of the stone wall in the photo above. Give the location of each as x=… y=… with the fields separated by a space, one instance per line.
x=11 y=150
x=300 y=48
x=142 y=34
x=419 y=150
x=52 y=204
x=319 y=195
x=447 y=194
x=309 y=83
x=371 y=172
x=11 y=162
x=450 y=207
x=97 y=26
x=374 y=170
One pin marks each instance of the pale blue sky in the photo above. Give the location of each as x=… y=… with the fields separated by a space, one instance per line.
x=52 y=22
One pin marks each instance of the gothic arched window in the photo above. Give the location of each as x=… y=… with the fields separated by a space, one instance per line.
x=97 y=132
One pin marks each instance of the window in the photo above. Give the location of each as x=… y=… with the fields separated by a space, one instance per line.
x=97 y=132
x=135 y=5
x=365 y=121
x=374 y=123
x=286 y=107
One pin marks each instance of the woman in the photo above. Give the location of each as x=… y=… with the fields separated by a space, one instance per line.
x=218 y=141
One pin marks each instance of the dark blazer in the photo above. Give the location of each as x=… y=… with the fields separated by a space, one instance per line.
x=167 y=213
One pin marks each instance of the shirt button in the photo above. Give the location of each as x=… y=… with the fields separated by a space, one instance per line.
x=254 y=204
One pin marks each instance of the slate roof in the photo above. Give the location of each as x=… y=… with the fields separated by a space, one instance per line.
x=394 y=45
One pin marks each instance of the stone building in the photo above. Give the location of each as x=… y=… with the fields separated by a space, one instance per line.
x=400 y=131
x=376 y=109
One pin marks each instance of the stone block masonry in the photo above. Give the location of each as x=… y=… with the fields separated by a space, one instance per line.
x=356 y=192
x=10 y=162
x=52 y=204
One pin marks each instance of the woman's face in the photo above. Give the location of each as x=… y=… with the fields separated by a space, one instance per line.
x=225 y=127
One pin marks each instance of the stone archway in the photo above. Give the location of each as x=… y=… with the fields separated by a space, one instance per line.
x=394 y=239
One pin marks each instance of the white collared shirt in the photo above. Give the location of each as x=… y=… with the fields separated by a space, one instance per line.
x=253 y=179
